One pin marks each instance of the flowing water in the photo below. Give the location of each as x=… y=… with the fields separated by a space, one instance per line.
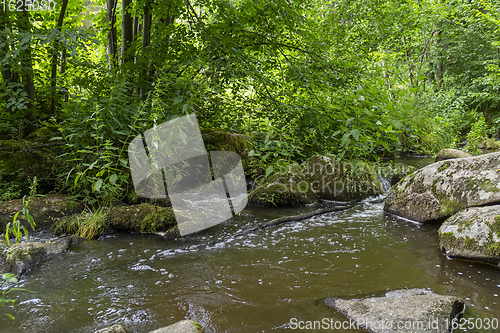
x=255 y=283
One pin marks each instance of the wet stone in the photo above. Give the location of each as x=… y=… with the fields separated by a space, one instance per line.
x=403 y=311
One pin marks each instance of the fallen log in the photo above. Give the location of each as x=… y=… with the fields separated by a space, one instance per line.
x=287 y=219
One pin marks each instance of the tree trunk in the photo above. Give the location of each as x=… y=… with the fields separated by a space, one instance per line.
x=24 y=26
x=127 y=31
x=55 y=53
x=136 y=26
x=146 y=31
x=112 y=41
x=7 y=74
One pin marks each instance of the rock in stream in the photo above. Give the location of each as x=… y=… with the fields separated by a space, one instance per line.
x=473 y=234
x=444 y=188
x=402 y=311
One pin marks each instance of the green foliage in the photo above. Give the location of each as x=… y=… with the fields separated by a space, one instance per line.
x=476 y=135
x=357 y=79
x=6 y=282
x=15 y=226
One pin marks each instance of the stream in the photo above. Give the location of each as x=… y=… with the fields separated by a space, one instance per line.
x=254 y=283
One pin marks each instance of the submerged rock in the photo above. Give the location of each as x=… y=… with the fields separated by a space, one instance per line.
x=444 y=188
x=342 y=181
x=405 y=310
x=45 y=210
x=183 y=326
x=472 y=234
x=448 y=154
x=113 y=329
x=21 y=257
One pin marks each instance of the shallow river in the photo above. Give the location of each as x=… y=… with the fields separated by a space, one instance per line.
x=255 y=283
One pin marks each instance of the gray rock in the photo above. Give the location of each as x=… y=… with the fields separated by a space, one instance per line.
x=444 y=188
x=448 y=154
x=421 y=310
x=20 y=258
x=472 y=234
x=183 y=326
x=113 y=329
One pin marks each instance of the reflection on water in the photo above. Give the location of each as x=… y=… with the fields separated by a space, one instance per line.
x=254 y=283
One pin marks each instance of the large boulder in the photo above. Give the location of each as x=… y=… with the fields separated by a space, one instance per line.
x=45 y=210
x=21 y=257
x=290 y=189
x=183 y=326
x=444 y=188
x=473 y=233
x=405 y=310
x=449 y=154
x=341 y=181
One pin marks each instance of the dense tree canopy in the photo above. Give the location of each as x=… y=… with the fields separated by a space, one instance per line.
x=353 y=78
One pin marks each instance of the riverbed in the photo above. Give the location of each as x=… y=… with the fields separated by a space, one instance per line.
x=254 y=283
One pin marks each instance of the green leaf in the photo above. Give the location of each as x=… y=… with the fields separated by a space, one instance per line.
x=178 y=99
x=269 y=170
x=98 y=185
x=346 y=136
x=355 y=134
x=113 y=178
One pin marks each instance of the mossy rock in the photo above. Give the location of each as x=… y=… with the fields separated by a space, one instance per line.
x=43 y=135
x=448 y=154
x=20 y=258
x=136 y=218
x=291 y=189
x=216 y=139
x=131 y=198
x=342 y=181
x=444 y=188
x=489 y=144
x=472 y=234
x=45 y=210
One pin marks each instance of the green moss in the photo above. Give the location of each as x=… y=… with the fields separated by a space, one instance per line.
x=448 y=207
x=216 y=139
x=444 y=166
x=483 y=184
x=465 y=225
x=494 y=249
x=470 y=244
x=199 y=327
x=156 y=220
x=495 y=226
